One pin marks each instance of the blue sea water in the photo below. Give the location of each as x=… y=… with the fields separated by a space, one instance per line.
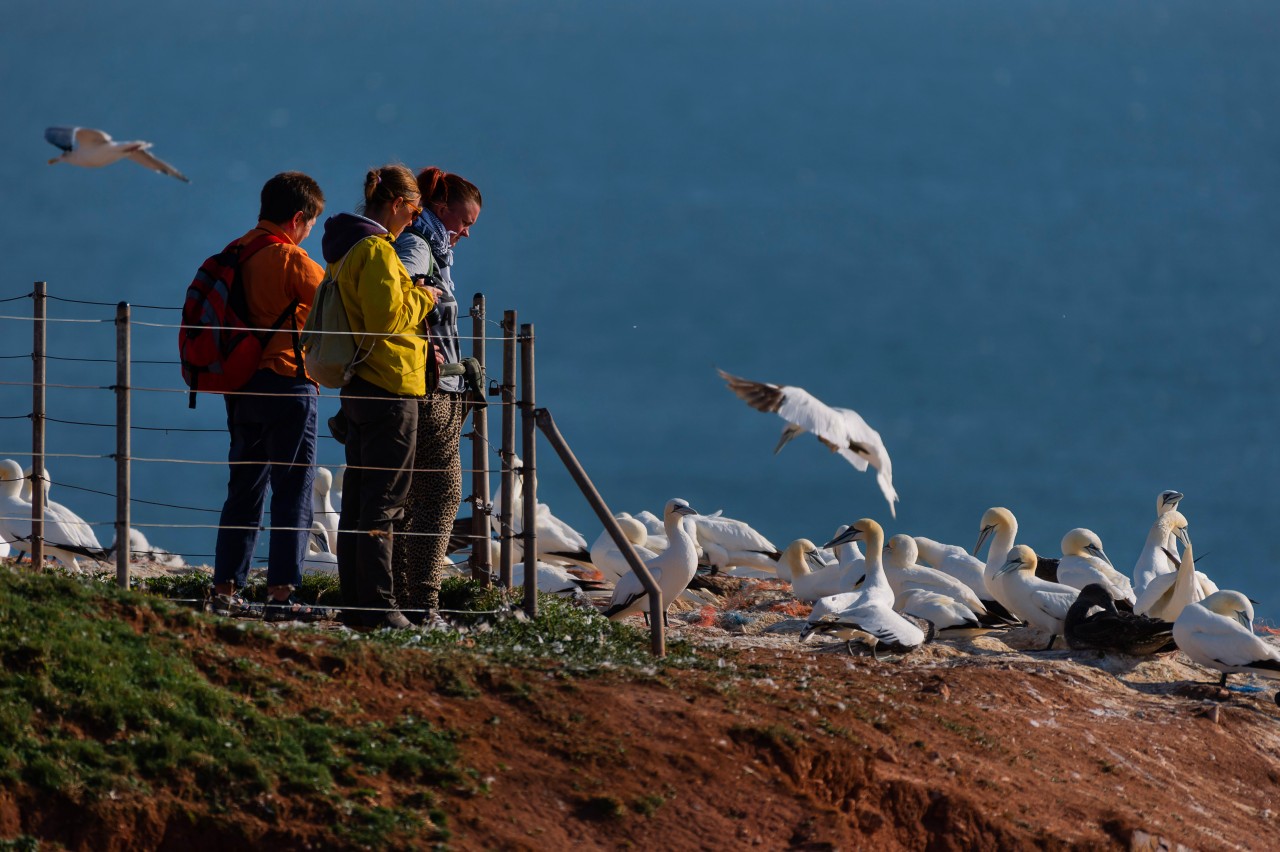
x=1034 y=244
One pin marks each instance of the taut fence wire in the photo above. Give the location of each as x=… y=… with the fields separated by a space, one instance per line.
x=516 y=366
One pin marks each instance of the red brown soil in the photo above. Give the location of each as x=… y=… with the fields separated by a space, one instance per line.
x=781 y=748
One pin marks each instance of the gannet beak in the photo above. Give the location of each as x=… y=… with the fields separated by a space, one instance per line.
x=1183 y=536
x=1100 y=553
x=685 y=510
x=1171 y=498
x=848 y=535
x=982 y=537
x=813 y=559
x=1011 y=565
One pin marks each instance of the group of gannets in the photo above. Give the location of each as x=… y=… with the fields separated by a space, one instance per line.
x=67 y=537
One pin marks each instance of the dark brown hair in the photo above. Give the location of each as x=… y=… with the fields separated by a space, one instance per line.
x=440 y=187
x=288 y=193
x=383 y=186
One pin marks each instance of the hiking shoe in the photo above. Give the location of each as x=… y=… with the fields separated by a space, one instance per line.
x=292 y=609
x=395 y=620
x=232 y=606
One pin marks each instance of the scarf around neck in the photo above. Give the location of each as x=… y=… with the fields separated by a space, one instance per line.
x=437 y=237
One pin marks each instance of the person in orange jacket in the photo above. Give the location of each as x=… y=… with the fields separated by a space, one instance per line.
x=272 y=419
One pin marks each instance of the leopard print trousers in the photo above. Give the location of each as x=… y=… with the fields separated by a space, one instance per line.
x=418 y=561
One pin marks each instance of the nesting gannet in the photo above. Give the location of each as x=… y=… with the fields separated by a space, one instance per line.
x=83 y=146
x=319 y=559
x=1093 y=623
x=141 y=550
x=868 y=612
x=1168 y=594
x=729 y=543
x=998 y=524
x=672 y=569
x=949 y=617
x=840 y=430
x=1218 y=632
x=1085 y=562
x=1157 y=557
x=558 y=542
x=811 y=577
x=15 y=522
x=608 y=558
x=322 y=507
x=900 y=554
x=81 y=534
x=955 y=560
x=1038 y=602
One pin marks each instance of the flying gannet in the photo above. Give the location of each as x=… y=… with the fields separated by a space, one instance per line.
x=840 y=430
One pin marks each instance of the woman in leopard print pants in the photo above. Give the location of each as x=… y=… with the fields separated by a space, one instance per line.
x=451 y=205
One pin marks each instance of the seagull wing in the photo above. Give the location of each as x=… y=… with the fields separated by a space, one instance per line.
x=61 y=137
x=87 y=137
x=144 y=157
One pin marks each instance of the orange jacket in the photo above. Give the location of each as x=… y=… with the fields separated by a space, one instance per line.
x=273 y=278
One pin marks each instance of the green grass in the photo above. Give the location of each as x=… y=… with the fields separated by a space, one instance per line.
x=90 y=707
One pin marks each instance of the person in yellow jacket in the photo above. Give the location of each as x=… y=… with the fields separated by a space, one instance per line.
x=387 y=312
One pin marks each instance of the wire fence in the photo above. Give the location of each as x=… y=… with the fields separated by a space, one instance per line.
x=484 y=451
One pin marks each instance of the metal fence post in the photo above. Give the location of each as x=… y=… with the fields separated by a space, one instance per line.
x=481 y=560
x=657 y=606
x=529 y=477
x=40 y=306
x=507 y=455
x=124 y=549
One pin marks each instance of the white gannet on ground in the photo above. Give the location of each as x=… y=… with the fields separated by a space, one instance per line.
x=551 y=579
x=998 y=524
x=141 y=550
x=954 y=560
x=322 y=506
x=1095 y=624
x=83 y=146
x=1157 y=557
x=1168 y=594
x=1038 y=602
x=840 y=430
x=608 y=558
x=558 y=542
x=81 y=534
x=1217 y=632
x=810 y=576
x=868 y=612
x=729 y=543
x=900 y=568
x=949 y=617
x=1085 y=562
x=672 y=569
x=319 y=559
x=15 y=523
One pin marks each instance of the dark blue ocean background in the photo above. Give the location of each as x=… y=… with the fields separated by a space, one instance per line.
x=1033 y=243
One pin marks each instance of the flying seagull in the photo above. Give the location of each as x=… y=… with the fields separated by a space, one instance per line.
x=840 y=430
x=84 y=146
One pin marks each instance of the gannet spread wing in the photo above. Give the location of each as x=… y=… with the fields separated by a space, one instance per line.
x=84 y=146
x=841 y=430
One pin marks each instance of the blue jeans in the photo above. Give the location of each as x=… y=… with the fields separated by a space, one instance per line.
x=277 y=435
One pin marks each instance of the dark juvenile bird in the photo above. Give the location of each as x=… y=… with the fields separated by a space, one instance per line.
x=1095 y=624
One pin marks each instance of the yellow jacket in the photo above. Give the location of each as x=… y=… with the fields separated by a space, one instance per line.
x=380 y=298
